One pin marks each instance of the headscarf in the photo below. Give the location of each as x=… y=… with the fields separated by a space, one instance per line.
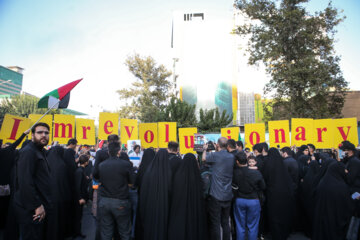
x=146 y=160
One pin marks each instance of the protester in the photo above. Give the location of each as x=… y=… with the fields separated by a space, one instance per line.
x=61 y=195
x=333 y=206
x=115 y=175
x=231 y=147
x=239 y=146
x=291 y=166
x=187 y=219
x=174 y=160
x=252 y=163
x=219 y=203
x=154 y=202
x=146 y=161
x=33 y=192
x=280 y=198
x=81 y=193
x=247 y=184
x=7 y=156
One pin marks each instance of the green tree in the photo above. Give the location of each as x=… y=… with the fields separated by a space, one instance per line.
x=21 y=105
x=212 y=121
x=297 y=49
x=179 y=111
x=150 y=92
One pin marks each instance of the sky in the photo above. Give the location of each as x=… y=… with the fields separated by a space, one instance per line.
x=57 y=42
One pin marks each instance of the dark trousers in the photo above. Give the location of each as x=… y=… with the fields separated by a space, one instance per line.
x=219 y=212
x=115 y=213
x=78 y=218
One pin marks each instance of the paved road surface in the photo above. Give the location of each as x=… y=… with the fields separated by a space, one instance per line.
x=88 y=227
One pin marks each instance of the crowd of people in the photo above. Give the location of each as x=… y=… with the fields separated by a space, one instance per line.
x=226 y=193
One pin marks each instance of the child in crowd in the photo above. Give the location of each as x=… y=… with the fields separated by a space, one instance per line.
x=252 y=162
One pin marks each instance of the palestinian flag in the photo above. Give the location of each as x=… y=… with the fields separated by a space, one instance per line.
x=59 y=98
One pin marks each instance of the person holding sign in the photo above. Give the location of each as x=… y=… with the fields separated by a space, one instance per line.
x=33 y=192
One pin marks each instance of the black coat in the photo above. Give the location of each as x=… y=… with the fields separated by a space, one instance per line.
x=100 y=156
x=187 y=219
x=333 y=205
x=33 y=178
x=81 y=184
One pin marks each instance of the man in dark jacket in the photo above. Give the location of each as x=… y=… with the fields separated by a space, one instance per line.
x=174 y=160
x=32 y=196
x=115 y=174
x=291 y=166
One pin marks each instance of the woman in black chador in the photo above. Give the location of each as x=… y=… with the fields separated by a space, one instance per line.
x=154 y=201
x=333 y=206
x=187 y=220
x=61 y=196
x=280 y=200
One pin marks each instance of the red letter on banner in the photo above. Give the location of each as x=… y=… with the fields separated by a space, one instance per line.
x=301 y=135
x=128 y=130
x=84 y=131
x=146 y=136
x=319 y=132
x=251 y=138
x=15 y=128
x=187 y=142
x=107 y=125
x=342 y=132
x=282 y=131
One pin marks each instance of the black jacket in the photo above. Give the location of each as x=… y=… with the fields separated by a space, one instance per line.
x=81 y=184
x=249 y=182
x=33 y=178
x=115 y=175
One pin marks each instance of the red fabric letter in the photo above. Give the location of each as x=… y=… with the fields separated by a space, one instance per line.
x=251 y=138
x=15 y=129
x=108 y=124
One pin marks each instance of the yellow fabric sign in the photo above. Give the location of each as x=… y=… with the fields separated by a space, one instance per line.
x=345 y=130
x=302 y=131
x=186 y=140
x=46 y=119
x=13 y=127
x=254 y=133
x=324 y=133
x=230 y=133
x=148 y=135
x=108 y=124
x=166 y=133
x=85 y=131
x=64 y=128
x=128 y=130
x=279 y=133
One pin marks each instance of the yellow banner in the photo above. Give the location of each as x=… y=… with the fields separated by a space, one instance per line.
x=230 y=133
x=279 y=135
x=148 y=135
x=254 y=133
x=167 y=133
x=345 y=130
x=108 y=124
x=323 y=133
x=128 y=130
x=186 y=140
x=302 y=131
x=64 y=128
x=85 y=131
x=46 y=119
x=13 y=127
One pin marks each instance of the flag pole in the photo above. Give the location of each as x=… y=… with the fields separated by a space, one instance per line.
x=58 y=101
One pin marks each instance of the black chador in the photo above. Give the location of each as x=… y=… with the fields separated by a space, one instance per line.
x=61 y=195
x=333 y=205
x=154 y=199
x=187 y=220
x=279 y=195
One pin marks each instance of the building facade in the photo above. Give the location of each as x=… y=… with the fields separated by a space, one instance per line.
x=11 y=80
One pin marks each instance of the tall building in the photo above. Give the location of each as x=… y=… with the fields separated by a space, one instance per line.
x=11 y=79
x=203 y=48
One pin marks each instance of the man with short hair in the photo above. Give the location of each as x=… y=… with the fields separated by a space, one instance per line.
x=174 y=160
x=220 y=190
x=239 y=146
x=291 y=166
x=115 y=174
x=231 y=147
x=32 y=195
